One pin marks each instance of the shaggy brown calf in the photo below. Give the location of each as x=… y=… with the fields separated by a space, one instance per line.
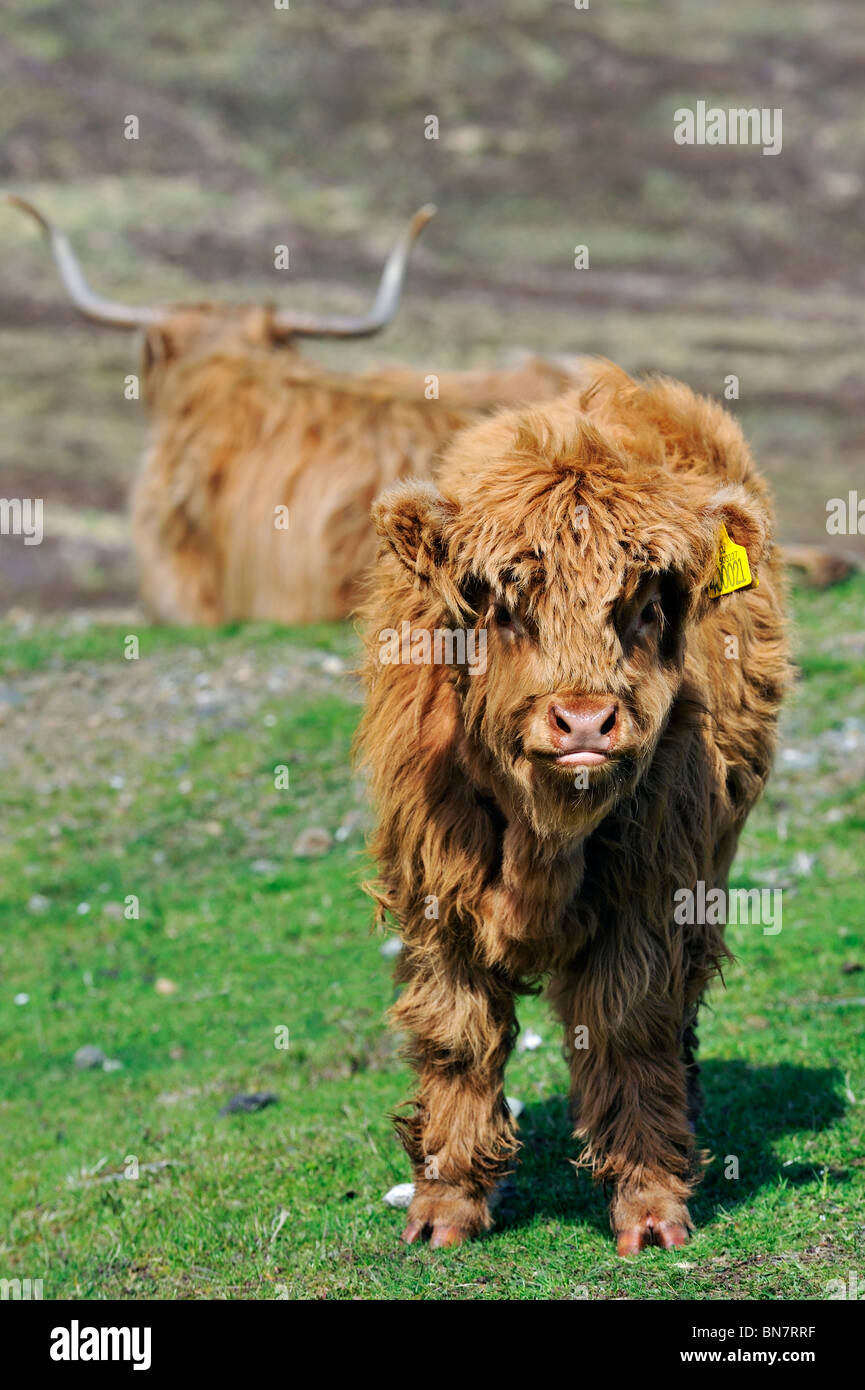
x=538 y=810
x=253 y=497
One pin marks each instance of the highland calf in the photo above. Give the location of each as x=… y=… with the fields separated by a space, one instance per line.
x=253 y=497
x=536 y=819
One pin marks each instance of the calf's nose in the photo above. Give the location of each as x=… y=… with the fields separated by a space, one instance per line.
x=583 y=725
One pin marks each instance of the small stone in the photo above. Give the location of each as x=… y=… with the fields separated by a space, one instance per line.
x=400 y=1196
x=164 y=986
x=112 y=1064
x=184 y=786
x=313 y=841
x=117 y=782
x=82 y=909
x=37 y=903
x=352 y=821
x=390 y=948
x=333 y=665
x=798 y=758
x=245 y=1104
x=25 y=998
x=268 y=867
x=88 y=1058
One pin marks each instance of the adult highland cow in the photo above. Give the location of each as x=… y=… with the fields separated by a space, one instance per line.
x=253 y=497
x=539 y=809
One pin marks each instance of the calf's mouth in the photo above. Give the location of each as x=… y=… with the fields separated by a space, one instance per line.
x=584 y=758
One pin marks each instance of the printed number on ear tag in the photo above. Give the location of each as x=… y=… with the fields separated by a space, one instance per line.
x=734 y=572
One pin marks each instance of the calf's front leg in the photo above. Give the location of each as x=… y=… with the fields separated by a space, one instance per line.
x=630 y=1095
x=460 y=1135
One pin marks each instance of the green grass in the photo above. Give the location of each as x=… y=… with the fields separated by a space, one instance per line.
x=287 y=1202
x=53 y=645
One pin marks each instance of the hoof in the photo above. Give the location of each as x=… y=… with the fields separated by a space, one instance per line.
x=445 y=1215
x=411 y=1232
x=443 y=1236
x=669 y=1235
x=440 y=1236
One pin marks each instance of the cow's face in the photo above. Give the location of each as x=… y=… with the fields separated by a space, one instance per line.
x=584 y=570
x=200 y=330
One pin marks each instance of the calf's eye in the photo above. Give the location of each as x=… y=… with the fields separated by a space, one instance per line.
x=503 y=616
x=651 y=617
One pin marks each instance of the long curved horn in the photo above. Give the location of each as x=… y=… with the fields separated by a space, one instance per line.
x=386 y=301
x=91 y=305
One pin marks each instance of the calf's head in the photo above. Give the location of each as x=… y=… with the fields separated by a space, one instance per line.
x=585 y=565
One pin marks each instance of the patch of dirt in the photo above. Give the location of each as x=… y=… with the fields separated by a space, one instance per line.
x=136 y=713
x=66 y=573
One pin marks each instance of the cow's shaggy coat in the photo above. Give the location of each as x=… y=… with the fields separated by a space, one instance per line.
x=253 y=498
x=536 y=819
x=254 y=494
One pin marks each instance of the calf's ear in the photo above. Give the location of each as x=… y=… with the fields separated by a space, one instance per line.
x=746 y=518
x=747 y=522
x=413 y=518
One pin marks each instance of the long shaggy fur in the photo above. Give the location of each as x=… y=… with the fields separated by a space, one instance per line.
x=547 y=526
x=243 y=427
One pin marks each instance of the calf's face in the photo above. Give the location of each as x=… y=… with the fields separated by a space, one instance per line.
x=584 y=569
x=571 y=713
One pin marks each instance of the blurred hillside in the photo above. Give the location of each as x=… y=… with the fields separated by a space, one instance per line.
x=306 y=126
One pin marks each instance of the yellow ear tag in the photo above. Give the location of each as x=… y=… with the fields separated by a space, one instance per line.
x=734 y=572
